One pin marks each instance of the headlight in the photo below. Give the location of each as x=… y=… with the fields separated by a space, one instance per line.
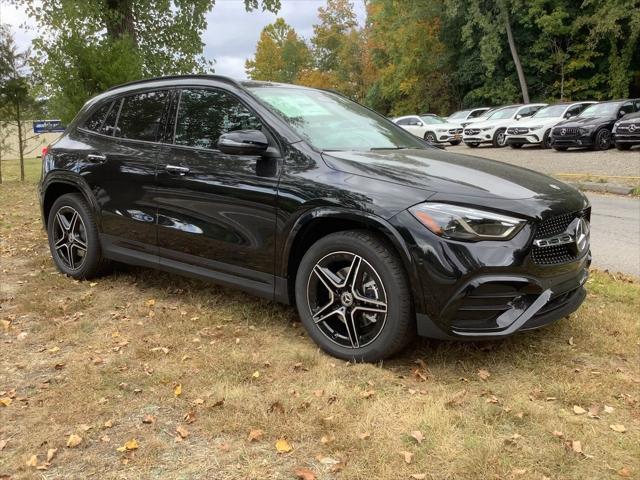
x=615 y=127
x=442 y=130
x=536 y=127
x=587 y=128
x=462 y=223
x=487 y=128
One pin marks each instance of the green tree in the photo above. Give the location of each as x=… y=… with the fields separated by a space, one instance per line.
x=85 y=47
x=17 y=104
x=280 y=54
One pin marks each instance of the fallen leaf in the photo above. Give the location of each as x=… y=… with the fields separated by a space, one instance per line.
x=593 y=412
x=576 y=446
x=408 y=456
x=198 y=401
x=5 y=401
x=54 y=349
x=183 y=432
x=364 y=436
x=324 y=439
x=190 y=416
x=570 y=341
x=3 y=443
x=255 y=374
x=457 y=399
x=483 y=374
x=255 y=435
x=608 y=409
x=418 y=436
x=327 y=460
x=151 y=302
x=282 y=446
x=177 y=391
x=578 y=410
x=149 y=419
x=616 y=427
x=368 y=393
x=624 y=472
x=108 y=424
x=33 y=461
x=218 y=403
x=51 y=453
x=516 y=472
x=74 y=440
x=557 y=433
x=130 y=445
x=276 y=407
x=304 y=474
x=418 y=476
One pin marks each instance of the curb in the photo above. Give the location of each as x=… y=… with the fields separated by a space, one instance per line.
x=603 y=187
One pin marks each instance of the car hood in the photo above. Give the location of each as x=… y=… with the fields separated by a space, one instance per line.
x=492 y=123
x=530 y=122
x=578 y=121
x=458 y=178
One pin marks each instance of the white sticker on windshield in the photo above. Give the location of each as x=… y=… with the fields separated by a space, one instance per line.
x=295 y=106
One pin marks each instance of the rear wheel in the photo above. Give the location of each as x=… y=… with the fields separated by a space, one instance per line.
x=602 y=140
x=353 y=297
x=73 y=237
x=623 y=146
x=500 y=138
x=430 y=137
x=516 y=145
x=546 y=139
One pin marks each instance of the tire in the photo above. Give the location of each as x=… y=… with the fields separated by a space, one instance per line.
x=472 y=144
x=623 y=146
x=560 y=149
x=358 y=259
x=499 y=138
x=73 y=238
x=455 y=142
x=430 y=137
x=516 y=145
x=602 y=140
x=546 y=140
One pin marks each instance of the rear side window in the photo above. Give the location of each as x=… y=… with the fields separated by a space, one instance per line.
x=404 y=121
x=95 y=121
x=204 y=115
x=627 y=108
x=477 y=113
x=141 y=115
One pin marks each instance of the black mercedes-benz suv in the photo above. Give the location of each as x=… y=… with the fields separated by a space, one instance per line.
x=626 y=131
x=592 y=128
x=305 y=197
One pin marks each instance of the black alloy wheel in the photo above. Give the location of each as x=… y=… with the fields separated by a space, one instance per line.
x=353 y=297
x=73 y=237
x=603 y=140
x=430 y=137
x=546 y=139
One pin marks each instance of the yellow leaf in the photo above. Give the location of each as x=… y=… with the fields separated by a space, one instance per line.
x=74 y=440
x=33 y=461
x=576 y=446
x=418 y=436
x=183 y=432
x=282 y=446
x=5 y=401
x=151 y=302
x=177 y=391
x=483 y=374
x=51 y=453
x=616 y=427
x=256 y=374
x=54 y=349
x=255 y=435
x=364 y=436
x=148 y=419
x=130 y=445
x=624 y=472
x=108 y=424
x=418 y=476
x=578 y=410
x=408 y=456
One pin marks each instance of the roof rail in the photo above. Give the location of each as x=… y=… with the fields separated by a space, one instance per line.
x=177 y=77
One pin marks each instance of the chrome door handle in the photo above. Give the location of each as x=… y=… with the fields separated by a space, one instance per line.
x=96 y=158
x=175 y=169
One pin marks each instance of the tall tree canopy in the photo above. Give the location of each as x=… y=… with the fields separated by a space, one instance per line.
x=280 y=54
x=85 y=47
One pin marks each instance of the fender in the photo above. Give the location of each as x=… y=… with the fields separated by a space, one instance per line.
x=367 y=219
x=74 y=180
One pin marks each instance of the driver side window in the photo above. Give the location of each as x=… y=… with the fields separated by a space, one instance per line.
x=205 y=114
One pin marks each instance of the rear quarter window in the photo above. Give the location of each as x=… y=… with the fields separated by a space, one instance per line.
x=141 y=115
x=96 y=119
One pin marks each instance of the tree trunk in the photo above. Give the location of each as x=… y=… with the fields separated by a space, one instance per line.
x=119 y=20
x=516 y=58
x=20 y=140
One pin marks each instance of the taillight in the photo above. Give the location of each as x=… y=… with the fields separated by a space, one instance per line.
x=45 y=150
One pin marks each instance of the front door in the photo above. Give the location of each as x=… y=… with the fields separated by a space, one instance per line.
x=216 y=212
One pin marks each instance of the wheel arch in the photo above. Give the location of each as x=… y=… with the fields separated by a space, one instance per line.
x=55 y=186
x=317 y=223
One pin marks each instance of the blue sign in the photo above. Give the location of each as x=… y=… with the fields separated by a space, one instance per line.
x=48 y=126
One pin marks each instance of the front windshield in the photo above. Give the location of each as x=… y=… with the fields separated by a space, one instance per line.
x=432 y=120
x=601 y=110
x=550 y=111
x=461 y=114
x=331 y=122
x=503 y=113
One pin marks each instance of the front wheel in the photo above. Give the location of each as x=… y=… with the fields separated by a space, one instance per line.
x=353 y=297
x=455 y=142
x=430 y=137
x=546 y=139
x=500 y=138
x=73 y=237
x=603 y=140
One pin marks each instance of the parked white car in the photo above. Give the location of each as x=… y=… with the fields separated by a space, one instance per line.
x=493 y=128
x=432 y=128
x=537 y=129
x=465 y=117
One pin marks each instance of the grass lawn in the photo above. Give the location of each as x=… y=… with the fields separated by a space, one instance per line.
x=209 y=382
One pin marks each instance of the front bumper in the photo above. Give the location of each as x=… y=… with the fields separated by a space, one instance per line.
x=532 y=139
x=489 y=289
x=585 y=140
x=627 y=138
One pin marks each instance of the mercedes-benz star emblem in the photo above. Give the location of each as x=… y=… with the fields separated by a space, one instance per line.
x=632 y=127
x=581 y=235
x=563 y=131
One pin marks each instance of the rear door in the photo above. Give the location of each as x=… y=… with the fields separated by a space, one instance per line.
x=121 y=170
x=217 y=211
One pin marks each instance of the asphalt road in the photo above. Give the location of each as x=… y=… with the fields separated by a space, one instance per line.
x=615 y=233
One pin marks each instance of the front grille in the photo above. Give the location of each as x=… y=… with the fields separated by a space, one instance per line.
x=517 y=130
x=472 y=131
x=566 y=132
x=453 y=131
x=628 y=128
x=556 y=254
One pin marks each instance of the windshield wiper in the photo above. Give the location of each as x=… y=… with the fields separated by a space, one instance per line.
x=390 y=148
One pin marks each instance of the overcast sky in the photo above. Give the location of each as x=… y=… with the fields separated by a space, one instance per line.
x=231 y=35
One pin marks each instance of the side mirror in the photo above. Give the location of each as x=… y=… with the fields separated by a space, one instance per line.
x=568 y=115
x=243 y=142
x=518 y=117
x=419 y=124
x=621 y=113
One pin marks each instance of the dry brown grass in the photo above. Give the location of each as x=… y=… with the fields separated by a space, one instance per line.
x=79 y=355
